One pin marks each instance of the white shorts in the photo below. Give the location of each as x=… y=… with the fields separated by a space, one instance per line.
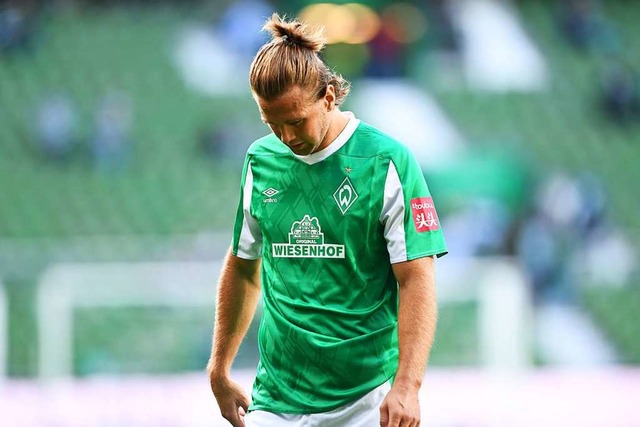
x=364 y=412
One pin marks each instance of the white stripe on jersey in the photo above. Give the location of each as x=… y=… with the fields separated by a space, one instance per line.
x=392 y=216
x=250 y=242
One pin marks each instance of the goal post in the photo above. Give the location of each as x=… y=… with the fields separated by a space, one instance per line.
x=497 y=284
x=505 y=311
x=65 y=287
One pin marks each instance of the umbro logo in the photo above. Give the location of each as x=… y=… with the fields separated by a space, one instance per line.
x=270 y=192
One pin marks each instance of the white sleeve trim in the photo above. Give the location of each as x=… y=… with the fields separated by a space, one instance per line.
x=250 y=241
x=392 y=216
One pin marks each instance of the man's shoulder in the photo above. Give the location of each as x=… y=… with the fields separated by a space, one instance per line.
x=372 y=141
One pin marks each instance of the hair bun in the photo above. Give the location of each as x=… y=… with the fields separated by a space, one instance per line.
x=294 y=33
x=291 y=58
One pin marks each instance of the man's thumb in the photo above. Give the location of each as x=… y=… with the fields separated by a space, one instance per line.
x=384 y=416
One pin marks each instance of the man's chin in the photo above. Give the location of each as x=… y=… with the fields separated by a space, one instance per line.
x=302 y=150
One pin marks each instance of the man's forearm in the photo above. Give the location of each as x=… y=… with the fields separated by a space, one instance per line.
x=417 y=319
x=238 y=292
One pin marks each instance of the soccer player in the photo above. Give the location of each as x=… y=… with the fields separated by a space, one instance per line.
x=336 y=227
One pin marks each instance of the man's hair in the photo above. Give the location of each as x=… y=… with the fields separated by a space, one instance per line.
x=292 y=58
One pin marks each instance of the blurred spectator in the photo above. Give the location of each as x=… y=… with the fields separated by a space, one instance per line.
x=610 y=244
x=57 y=126
x=480 y=228
x=538 y=251
x=444 y=33
x=549 y=237
x=585 y=27
x=620 y=93
x=237 y=18
x=229 y=140
x=112 y=139
x=592 y=215
x=580 y=22
x=387 y=53
x=567 y=234
x=559 y=199
x=387 y=56
x=600 y=239
x=17 y=22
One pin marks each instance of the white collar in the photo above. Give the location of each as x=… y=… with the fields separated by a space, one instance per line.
x=337 y=143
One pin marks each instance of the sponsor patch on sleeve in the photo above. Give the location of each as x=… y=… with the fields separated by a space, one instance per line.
x=424 y=214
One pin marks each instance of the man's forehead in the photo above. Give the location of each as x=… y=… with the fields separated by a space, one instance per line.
x=288 y=105
x=295 y=94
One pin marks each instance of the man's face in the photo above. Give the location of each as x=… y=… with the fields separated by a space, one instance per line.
x=300 y=121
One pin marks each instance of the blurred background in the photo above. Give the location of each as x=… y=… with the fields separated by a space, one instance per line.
x=123 y=126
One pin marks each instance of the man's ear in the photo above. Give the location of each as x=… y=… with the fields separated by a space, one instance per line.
x=330 y=97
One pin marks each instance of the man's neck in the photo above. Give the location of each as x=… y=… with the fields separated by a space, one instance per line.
x=339 y=121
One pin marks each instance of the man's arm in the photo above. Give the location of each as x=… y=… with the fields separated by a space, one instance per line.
x=417 y=318
x=238 y=292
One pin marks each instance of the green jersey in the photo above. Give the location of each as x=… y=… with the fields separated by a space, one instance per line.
x=328 y=226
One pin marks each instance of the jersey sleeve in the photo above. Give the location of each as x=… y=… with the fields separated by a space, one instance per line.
x=247 y=237
x=411 y=225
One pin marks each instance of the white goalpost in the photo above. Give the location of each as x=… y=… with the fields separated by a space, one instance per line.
x=496 y=284
x=505 y=317
x=65 y=287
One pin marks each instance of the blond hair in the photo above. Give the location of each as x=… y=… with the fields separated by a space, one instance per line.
x=292 y=58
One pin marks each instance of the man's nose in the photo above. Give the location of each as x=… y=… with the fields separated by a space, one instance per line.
x=287 y=134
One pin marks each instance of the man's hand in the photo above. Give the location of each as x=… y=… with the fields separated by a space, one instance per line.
x=400 y=408
x=232 y=400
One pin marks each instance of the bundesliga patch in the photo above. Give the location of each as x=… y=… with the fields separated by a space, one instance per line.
x=424 y=214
